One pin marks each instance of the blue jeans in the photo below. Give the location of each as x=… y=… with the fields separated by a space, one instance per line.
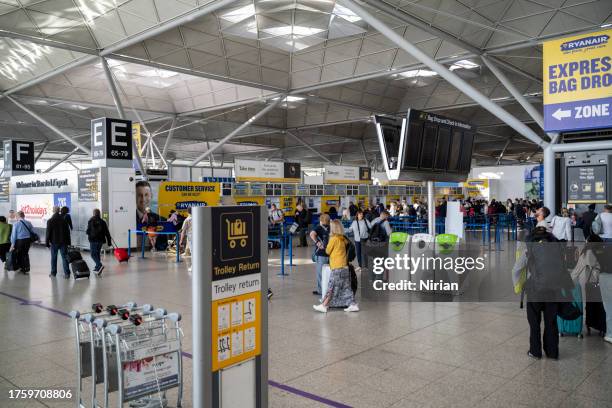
x=605 y=284
x=62 y=249
x=321 y=260
x=96 y=248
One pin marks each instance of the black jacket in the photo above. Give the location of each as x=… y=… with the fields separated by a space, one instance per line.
x=97 y=231
x=58 y=231
x=587 y=221
x=301 y=217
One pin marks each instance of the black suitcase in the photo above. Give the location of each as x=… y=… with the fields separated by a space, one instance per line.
x=73 y=254
x=11 y=261
x=79 y=269
x=594 y=309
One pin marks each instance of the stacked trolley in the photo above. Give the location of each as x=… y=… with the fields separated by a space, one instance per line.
x=130 y=350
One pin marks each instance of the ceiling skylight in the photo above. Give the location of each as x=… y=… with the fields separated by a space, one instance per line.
x=463 y=64
x=239 y=14
x=415 y=73
x=295 y=30
x=158 y=73
x=345 y=13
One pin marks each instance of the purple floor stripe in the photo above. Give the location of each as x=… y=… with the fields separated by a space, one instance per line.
x=275 y=384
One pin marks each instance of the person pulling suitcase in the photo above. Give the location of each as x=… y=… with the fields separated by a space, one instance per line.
x=58 y=239
x=97 y=233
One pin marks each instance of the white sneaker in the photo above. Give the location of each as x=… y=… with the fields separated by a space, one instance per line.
x=608 y=339
x=352 y=308
x=320 y=308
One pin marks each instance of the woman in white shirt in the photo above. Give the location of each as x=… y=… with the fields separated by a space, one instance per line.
x=361 y=232
x=562 y=226
x=606 y=223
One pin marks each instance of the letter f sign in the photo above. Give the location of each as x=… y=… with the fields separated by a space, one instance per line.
x=21 y=148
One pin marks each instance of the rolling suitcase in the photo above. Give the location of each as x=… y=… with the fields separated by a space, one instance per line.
x=572 y=327
x=73 y=254
x=79 y=269
x=11 y=261
x=595 y=312
x=121 y=254
x=325 y=274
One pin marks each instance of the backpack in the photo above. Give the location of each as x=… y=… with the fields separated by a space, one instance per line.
x=378 y=233
x=545 y=261
x=351 y=253
x=96 y=228
x=596 y=226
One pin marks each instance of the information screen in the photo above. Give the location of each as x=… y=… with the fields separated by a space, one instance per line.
x=587 y=184
x=444 y=140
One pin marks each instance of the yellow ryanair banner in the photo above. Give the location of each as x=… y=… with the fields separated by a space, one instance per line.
x=250 y=200
x=577 y=74
x=136 y=135
x=287 y=204
x=178 y=195
x=477 y=188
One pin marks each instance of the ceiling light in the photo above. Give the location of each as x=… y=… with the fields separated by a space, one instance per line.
x=290 y=98
x=606 y=25
x=239 y=14
x=158 y=73
x=345 y=13
x=463 y=64
x=414 y=73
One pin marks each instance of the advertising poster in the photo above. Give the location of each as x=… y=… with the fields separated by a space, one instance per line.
x=179 y=196
x=269 y=171
x=150 y=374
x=577 y=76
x=89 y=184
x=347 y=174
x=38 y=208
x=5 y=189
x=146 y=197
x=477 y=188
x=534 y=182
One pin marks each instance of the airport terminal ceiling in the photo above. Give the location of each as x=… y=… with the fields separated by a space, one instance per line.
x=203 y=73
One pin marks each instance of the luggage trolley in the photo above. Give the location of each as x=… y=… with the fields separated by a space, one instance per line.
x=94 y=345
x=89 y=353
x=146 y=355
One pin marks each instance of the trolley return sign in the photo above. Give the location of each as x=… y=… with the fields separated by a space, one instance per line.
x=236 y=285
x=578 y=82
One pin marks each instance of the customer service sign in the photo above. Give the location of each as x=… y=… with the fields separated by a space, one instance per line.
x=578 y=82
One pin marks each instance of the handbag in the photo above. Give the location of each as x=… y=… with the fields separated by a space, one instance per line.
x=596 y=226
x=33 y=236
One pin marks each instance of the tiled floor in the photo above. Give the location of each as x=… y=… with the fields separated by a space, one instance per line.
x=388 y=355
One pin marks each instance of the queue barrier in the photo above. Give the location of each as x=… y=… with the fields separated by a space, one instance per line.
x=133 y=351
x=146 y=233
x=280 y=234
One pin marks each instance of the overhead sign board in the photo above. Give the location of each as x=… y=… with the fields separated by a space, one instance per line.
x=347 y=175
x=111 y=139
x=257 y=170
x=578 y=82
x=89 y=184
x=18 y=157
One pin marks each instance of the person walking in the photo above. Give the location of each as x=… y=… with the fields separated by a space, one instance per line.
x=5 y=238
x=186 y=234
x=546 y=277
x=339 y=292
x=562 y=226
x=58 y=239
x=605 y=218
x=301 y=217
x=361 y=232
x=65 y=213
x=21 y=239
x=586 y=220
x=97 y=234
x=320 y=237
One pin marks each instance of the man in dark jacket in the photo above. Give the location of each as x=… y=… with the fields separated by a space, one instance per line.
x=97 y=233
x=587 y=220
x=301 y=217
x=58 y=239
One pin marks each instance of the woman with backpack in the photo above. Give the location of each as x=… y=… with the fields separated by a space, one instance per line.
x=97 y=233
x=361 y=232
x=339 y=291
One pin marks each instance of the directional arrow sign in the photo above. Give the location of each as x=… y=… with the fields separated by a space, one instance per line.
x=560 y=114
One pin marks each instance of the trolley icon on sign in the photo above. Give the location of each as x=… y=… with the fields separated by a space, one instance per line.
x=236 y=231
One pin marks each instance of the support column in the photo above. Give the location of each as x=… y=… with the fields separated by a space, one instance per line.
x=431 y=209
x=445 y=73
x=169 y=137
x=63 y=159
x=236 y=131
x=549 y=179
x=49 y=125
x=309 y=147
x=119 y=105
